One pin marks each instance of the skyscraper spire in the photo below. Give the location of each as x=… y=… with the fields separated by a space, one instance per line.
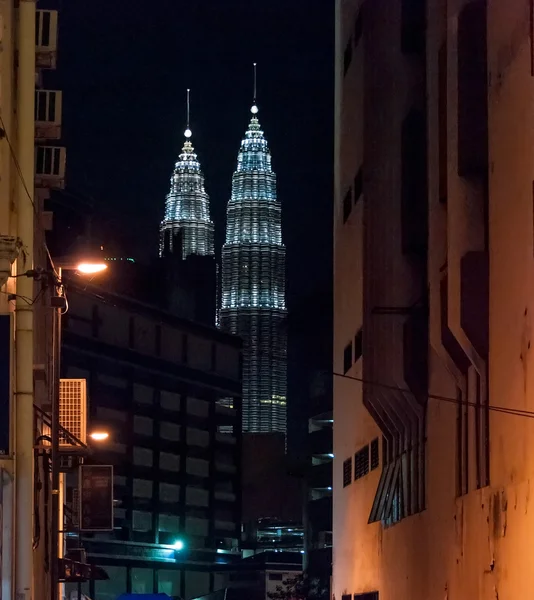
x=186 y=228
x=253 y=282
x=187 y=131
x=254 y=109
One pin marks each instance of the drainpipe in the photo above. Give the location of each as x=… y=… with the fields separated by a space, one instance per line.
x=24 y=346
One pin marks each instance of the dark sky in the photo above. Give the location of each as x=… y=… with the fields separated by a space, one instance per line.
x=124 y=67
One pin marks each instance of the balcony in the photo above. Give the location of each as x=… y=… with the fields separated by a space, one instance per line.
x=45 y=39
x=321 y=442
x=50 y=167
x=321 y=476
x=48 y=114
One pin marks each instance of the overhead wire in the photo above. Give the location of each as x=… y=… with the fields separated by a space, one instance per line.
x=502 y=409
x=23 y=181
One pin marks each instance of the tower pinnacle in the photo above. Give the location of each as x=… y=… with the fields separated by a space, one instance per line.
x=254 y=109
x=188 y=133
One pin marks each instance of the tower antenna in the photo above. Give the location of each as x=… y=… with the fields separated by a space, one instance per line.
x=187 y=132
x=254 y=108
x=255 y=67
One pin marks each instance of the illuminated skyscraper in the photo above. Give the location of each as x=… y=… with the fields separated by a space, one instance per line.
x=253 y=283
x=187 y=228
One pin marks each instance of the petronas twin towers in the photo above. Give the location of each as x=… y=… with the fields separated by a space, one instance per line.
x=253 y=266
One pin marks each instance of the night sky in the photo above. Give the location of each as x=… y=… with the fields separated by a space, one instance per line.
x=124 y=67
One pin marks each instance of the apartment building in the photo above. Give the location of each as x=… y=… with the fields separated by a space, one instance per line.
x=433 y=296
x=32 y=160
x=154 y=382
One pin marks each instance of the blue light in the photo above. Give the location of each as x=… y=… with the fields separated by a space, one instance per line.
x=178 y=545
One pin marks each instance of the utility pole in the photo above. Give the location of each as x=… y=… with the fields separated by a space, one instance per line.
x=24 y=348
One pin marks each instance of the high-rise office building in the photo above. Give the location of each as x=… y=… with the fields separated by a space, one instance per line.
x=253 y=283
x=187 y=228
x=186 y=239
x=433 y=306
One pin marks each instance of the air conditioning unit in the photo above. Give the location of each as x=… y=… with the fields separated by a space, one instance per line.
x=45 y=39
x=50 y=166
x=73 y=409
x=48 y=114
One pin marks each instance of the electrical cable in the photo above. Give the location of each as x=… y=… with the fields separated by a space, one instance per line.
x=502 y=409
x=21 y=176
x=16 y=163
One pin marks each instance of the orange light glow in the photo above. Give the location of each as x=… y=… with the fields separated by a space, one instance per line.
x=99 y=436
x=91 y=268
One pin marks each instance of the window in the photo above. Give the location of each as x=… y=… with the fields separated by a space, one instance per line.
x=141 y=521
x=214 y=356
x=143 y=457
x=347 y=56
x=157 y=342
x=184 y=347
x=358 y=345
x=347 y=357
x=347 y=472
x=472 y=82
x=347 y=205
x=131 y=332
x=361 y=463
x=358 y=28
x=275 y=576
x=413 y=26
x=366 y=596
x=143 y=425
x=358 y=185
x=375 y=456
x=142 y=581
x=442 y=123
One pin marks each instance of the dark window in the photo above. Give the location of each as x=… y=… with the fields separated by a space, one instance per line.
x=413 y=26
x=347 y=57
x=414 y=200
x=472 y=90
x=184 y=347
x=275 y=577
x=442 y=125
x=358 y=345
x=361 y=463
x=157 y=344
x=214 y=357
x=347 y=358
x=131 y=332
x=358 y=28
x=95 y=321
x=358 y=185
x=347 y=472
x=366 y=596
x=347 y=205
x=375 y=456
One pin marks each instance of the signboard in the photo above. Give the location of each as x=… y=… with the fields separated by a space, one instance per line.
x=5 y=383
x=96 y=497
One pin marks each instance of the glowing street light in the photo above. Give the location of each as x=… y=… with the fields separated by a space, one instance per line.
x=99 y=436
x=178 y=545
x=89 y=268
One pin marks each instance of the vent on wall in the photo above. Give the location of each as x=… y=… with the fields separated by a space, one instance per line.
x=73 y=409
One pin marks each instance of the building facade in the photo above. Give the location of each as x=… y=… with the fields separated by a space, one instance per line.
x=432 y=299
x=32 y=160
x=154 y=381
x=253 y=283
x=187 y=228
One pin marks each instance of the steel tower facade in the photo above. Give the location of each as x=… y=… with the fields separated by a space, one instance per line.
x=253 y=283
x=187 y=228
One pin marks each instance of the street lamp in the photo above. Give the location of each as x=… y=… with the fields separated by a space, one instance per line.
x=99 y=436
x=83 y=262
